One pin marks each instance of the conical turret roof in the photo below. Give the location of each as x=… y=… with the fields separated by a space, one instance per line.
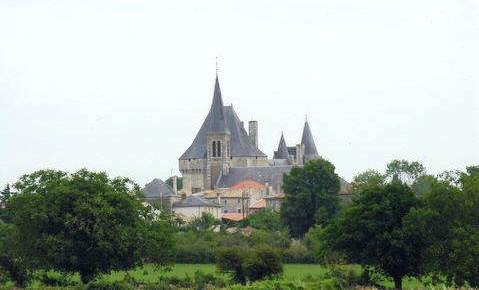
x=216 y=116
x=307 y=140
x=282 y=152
x=222 y=119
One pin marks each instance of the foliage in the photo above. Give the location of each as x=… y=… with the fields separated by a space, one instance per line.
x=371 y=232
x=310 y=196
x=447 y=222
x=179 y=182
x=12 y=264
x=82 y=222
x=205 y=222
x=404 y=170
x=266 y=219
x=367 y=179
x=244 y=265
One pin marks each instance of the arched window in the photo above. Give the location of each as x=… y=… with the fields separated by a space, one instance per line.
x=214 y=148
x=218 y=143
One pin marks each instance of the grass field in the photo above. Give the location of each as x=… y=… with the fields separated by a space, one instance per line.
x=291 y=272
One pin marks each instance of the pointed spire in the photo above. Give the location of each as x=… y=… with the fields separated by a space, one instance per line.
x=307 y=140
x=282 y=152
x=217 y=114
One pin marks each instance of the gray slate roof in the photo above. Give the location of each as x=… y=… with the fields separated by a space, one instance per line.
x=195 y=201
x=307 y=139
x=282 y=152
x=157 y=188
x=222 y=119
x=273 y=175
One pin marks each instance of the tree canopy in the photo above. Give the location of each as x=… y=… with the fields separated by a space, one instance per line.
x=83 y=222
x=311 y=196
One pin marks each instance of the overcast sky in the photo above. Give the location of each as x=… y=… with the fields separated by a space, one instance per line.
x=123 y=86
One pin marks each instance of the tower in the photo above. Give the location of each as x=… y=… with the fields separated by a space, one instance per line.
x=307 y=140
x=218 y=141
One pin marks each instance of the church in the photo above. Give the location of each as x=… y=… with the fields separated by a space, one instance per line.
x=223 y=153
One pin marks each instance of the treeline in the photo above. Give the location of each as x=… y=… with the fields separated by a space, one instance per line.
x=403 y=222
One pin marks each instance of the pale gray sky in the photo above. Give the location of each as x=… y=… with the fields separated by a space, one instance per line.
x=123 y=86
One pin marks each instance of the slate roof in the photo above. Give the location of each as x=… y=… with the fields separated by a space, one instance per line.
x=307 y=139
x=194 y=201
x=157 y=188
x=273 y=175
x=282 y=152
x=222 y=119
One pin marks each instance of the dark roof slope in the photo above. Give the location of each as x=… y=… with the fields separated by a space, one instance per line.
x=282 y=152
x=195 y=201
x=273 y=175
x=157 y=188
x=307 y=140
x=222 y=119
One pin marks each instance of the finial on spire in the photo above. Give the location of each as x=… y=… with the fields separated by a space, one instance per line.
x=216 y=65
x=306 y=117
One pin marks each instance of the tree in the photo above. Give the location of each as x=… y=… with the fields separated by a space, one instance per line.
x=367 y=179
x=311 y=196
x=404 y=170
x=266 y=219
x=179 y=182
x=82 y=222
x=205 y=222
x=370 y=232
x=13 y=266
x=448 y=222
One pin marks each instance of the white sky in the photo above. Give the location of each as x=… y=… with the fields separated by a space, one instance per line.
x=123 y=86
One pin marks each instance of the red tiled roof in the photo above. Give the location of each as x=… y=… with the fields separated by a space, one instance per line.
x=235 y=217
x=247 y=184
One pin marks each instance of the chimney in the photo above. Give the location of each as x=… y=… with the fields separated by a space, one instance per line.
x=175 y=184
x=253 y=132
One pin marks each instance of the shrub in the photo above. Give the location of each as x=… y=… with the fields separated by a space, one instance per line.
x=262 y=262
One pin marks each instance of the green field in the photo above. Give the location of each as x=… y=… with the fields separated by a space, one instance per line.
x=291 y=272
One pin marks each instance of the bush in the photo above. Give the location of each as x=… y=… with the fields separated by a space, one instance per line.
x=262 y=262
x=50 y=278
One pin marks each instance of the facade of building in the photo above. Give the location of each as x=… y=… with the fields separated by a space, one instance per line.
x=223 y=153
x=190 y=207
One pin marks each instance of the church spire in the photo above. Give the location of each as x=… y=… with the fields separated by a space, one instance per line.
x=282 y=152
x=307 y=140
x=217 y=114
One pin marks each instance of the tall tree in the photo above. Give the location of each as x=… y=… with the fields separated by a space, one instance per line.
x=311 y=196
x=367 y=179
x=370 y=232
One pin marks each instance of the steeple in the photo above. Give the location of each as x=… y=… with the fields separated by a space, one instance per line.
x=307 y=140
x=217 y=115
x=282 y=152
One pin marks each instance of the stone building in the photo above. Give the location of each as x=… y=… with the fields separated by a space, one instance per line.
x=223 y=153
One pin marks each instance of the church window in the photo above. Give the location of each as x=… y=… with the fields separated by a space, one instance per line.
x=214 y=148
x=218 y=151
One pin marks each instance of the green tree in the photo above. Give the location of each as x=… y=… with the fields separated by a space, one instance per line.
x=266 y=219
x=82 y=222
x=370 y=232
x=13 y=265
x=311 y=196
x=205 y=222
x=367 y=179
x=448 y=222
x=404 y=170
